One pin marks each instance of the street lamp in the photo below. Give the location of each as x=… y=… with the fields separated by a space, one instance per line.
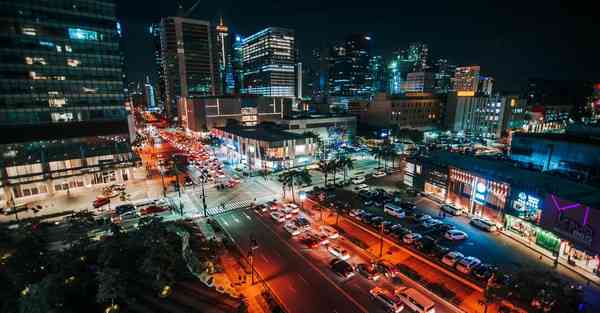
x=253 y=246
x=161 y=168
x=203 y=180
x=302 y=196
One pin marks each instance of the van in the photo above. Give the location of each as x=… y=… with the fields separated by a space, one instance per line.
x=415 y=300
x=387 y=300
x=143 y=202
x=484 y=224
x=450 y=209
x=394 y=210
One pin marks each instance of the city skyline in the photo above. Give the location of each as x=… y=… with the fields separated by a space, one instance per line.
x=512 y=43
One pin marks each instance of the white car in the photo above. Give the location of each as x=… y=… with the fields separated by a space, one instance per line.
x=452 y=257
x=329 y=231
x=379 y=174
x=411 y=238
x=358 y=180
x=292 y=229
x=356 y=213
x=483 y=223
x=455 y=234
x=362 y=187
x=467 y=264
x=287 y=211
x=295 y=209
x=430 y=223
x=338 y=252
x=278 y=216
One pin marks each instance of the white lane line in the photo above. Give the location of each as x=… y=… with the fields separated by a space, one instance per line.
x=265 y=258
x=247 y=216
x=304 y=280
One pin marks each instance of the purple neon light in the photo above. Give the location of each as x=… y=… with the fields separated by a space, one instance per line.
x=568 y=207
x=585 y=216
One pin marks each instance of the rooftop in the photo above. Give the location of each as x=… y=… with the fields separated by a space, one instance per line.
x=262 y=132
x=507 y=171
x=590 y=139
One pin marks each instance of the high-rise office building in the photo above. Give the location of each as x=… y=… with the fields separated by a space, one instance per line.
x=398 y=71
x=63 y=121
x=418 y=53
x=378 y=74
x=237 y=68
x=418 y=82
x=149 y=94
x=349 y=72
x=154 y=31
x=443 y=74
x=466 y=80
x=187 y=60
x=269 y=63
x=223 y=59
x=485 y=86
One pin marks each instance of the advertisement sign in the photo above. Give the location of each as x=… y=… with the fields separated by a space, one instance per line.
x=480 y=192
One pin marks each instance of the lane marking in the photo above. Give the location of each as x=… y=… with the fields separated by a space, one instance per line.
x=343 y=292
x=265 y=258
x=304 y=280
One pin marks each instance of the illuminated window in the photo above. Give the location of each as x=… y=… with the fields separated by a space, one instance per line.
x=30 y=31
x=82 y=34
x=68 y=48
x=73 y=62
x=58 y=48
x=35 y=60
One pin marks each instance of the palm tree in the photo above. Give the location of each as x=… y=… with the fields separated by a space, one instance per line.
x=346 y=164
x=387 y=151
x=378 y=154
x=325 y=168
x=296 y=177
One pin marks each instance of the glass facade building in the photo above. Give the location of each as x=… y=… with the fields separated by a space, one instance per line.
x=62 y=107
x=269 y=63
x=349 y=73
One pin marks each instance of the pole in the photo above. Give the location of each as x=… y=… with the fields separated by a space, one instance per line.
x=162 y=179
x=381 y=240
x=252 y=267
x=203 y=196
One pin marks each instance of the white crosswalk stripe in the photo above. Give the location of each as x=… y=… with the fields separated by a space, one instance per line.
x=228 y=207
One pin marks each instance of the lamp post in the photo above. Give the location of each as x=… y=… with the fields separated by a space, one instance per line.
x=161 y=168
x=203 y=180
x=253 y=246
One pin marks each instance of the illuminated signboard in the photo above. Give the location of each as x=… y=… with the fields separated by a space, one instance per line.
x=480 y=192
x=82 y=34
x=525 y=202
x=465 y=93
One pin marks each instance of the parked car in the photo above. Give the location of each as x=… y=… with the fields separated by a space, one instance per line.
x=358 y=180
x=484 y=224
x=329 y=231
x=302 y=223
x=483 y=271
x=411 y=238
x=387 y=226
x=292 y=229
x=452 y=210
x=452 y=257
x=124 y=208
x=419 y=218
x=342 y=268
x=455 y=234
x=366 y=217
x=362 y=187
x=356 y=213
x=414 y=300
x=429 y=223
x=152 y=209
x=379 y=174
x=394 y=210
x=100 y=201
x=467 y=264
x=385 y=269
x=368 y=271
x=376 y=221
x=338 y=252
x=278 y=216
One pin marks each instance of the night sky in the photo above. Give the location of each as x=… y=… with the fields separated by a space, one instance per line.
x=510 y=40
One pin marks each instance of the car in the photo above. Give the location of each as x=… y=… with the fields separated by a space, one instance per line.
x=408 y=205
x=329 y=231
x=385 y=269
x=425 y=244
x=455 y=234
x=376 y=221
x=310 y=242
x=388 y=301
x=452 y=210
x=484 y=224
x=356 y=213
x=452 y=257
x=414 y=300
x=287 y=211
x=100 y=201
x=302 y=223
x=261 y=208
x=366 y=217
x=338 y=252
x=342 y=268
x=419 y=218
x=394 y=210
x=358 y=180
x=429 y=223
x=387 y=226
x=379 y=174
x=483 y=271
x=120 y=218
x=151 y=209
x=292 y=229
x=124 y=208
x=467 y=264
x=411 y=238
x=399 y=231
x=437 y=251
x=295 y=209
x=362 y=187
x=368 y=271
x=278 y=216
x=368 y=202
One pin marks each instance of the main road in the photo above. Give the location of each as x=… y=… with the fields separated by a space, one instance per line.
x=299 y=284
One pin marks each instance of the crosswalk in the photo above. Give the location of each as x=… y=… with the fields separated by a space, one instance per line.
x=239 y=204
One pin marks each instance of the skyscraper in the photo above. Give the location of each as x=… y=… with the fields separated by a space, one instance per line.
x=378 y=74
x=223 y=58
x=349 y=72
x=398 y=71
x=269 y=63
x=237 y=65
x=466 y=80
x=418 y=53
x=63 y=121
x=154 y=31
x=187 y=60
x=149 y=94
x=443 y=74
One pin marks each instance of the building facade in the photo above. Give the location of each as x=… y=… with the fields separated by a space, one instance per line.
x=416 y=111
x=269 y=63
x=418 y=82
x=187 y=61
x=466 y=80
x=350 y=75
x=484 y=116
x=204 y=114
x=265 y=148
x=334 y=129
x=63 y=121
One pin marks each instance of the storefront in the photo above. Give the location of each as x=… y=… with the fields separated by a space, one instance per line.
x=477 y=195
x=436 y=184
x=532 y=234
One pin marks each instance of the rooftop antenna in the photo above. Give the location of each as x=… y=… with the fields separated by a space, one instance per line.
x=188 y=12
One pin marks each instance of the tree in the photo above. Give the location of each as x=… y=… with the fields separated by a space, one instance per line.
x=296 y=177
x=346 y=164
x=378 y=154
x=110 y=285
x=325 y=167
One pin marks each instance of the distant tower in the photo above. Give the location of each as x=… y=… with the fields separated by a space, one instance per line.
x=223 y=58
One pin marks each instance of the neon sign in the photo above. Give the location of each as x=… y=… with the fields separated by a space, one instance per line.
x=480 y=191
x=82 y=34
